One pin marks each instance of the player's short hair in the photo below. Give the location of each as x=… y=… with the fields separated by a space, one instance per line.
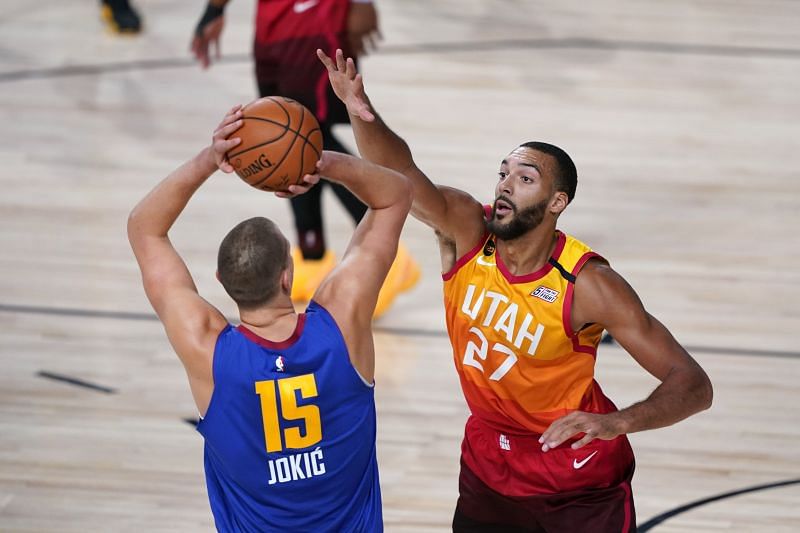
x=566 y=173
x=251 y=258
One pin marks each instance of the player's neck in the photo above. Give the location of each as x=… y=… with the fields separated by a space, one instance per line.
x=529 y=252
x=274 y=321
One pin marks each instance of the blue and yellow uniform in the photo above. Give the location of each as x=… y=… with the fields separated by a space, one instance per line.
x=290 y=433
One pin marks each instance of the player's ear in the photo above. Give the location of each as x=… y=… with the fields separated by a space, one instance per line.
x=559 y=202
x=286 y=280
x=216 y=273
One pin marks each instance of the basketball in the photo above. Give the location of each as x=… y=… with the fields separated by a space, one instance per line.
x=281 y=142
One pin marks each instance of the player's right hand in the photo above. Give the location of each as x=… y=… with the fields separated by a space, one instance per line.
x=207 y=34
x=347 y=84
x=221 y=142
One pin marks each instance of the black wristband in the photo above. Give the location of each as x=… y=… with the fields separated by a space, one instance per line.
x=212 y=12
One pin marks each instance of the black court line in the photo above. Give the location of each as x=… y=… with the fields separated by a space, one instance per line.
x=75 y=381
x=403 y=332
x=656 y=520
x=567 y=43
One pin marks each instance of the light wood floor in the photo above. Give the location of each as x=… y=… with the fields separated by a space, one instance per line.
x=683 y=118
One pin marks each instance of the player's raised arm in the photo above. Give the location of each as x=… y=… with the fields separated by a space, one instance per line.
x=350 y=292
x=191 y=323
x=454 y=214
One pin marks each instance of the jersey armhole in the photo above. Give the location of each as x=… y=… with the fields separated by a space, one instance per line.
x=214 y=364
x=346 y=350
x=569 y=296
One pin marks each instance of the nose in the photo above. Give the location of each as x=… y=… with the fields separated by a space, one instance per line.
x=505 y=185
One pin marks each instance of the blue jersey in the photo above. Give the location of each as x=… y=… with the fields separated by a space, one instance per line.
x=290 y=433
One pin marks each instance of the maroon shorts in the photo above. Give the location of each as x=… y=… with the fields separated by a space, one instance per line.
x=507 y=482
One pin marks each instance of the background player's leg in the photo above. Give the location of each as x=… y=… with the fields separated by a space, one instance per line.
x=307 y=208
x=354 y=206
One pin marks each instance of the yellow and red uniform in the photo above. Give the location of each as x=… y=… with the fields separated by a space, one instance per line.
x=521 y=367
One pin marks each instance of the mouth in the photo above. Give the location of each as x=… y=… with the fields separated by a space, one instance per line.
x=502 y=208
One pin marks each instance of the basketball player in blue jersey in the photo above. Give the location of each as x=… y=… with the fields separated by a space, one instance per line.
x=286 y=399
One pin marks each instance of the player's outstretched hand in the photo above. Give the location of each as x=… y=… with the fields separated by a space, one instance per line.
x=594 y=426
x=347 y=84
x=207 y=35
x=221 y=141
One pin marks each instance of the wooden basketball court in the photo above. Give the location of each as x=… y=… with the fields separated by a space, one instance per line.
x=683 y=119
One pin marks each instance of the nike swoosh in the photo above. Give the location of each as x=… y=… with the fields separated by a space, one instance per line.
x=300 y=7
x=482 y=261
x=576 y=465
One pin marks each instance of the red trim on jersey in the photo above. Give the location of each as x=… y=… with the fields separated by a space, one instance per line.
x=567 y=309
x=533 y=276
x=466 y=257
x=272 y=345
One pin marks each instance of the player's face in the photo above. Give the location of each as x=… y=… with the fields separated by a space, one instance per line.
x=523 y=192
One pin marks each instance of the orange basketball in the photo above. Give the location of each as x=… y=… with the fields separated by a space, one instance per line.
x=281 y=143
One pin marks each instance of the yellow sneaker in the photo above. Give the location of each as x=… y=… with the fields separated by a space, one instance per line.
x=309 y=273
x=403 y=275
x=120 y=17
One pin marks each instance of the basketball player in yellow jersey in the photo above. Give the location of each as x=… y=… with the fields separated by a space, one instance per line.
x=544 y=449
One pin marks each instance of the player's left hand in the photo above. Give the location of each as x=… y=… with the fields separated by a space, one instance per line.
x=221 y=140
x=594 y=426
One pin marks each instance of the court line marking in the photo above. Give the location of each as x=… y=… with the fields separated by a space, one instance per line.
x=404 y=332
x=75 y=381
x=656 y=520
x=566 y=43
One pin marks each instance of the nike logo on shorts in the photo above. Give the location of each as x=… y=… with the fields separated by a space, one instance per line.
x=579 y=464
x=300 y=7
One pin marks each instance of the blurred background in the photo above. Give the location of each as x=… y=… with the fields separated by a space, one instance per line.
x=683 y=119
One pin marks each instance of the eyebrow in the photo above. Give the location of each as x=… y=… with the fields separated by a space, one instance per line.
x=532 y=165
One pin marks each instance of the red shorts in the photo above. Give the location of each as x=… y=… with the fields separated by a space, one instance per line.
x=506 y=479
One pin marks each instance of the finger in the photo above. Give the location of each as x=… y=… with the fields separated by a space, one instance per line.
x=226 y=167
x=230 y=143
x=340 y=63
x=310 y=180
x=327 y=61
x=230 y=128
x=583 y=442
x=350 y=68
x=231 y=116
x=365 y=114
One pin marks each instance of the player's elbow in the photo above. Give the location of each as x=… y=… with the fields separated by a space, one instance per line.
x=702 y=390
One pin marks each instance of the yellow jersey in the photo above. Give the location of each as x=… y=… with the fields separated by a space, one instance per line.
x=520 y=363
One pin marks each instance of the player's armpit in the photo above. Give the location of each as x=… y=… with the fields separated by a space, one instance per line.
x=454 y=214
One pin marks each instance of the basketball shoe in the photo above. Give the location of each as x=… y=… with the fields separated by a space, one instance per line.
x=120 y=17
x=309 y=273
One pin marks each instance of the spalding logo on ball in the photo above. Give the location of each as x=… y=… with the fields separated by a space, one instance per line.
x=281 y=143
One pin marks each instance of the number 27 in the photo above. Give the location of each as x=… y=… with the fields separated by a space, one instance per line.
x=482 y=352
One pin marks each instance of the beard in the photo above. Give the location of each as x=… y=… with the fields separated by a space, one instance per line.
x=521 y=223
